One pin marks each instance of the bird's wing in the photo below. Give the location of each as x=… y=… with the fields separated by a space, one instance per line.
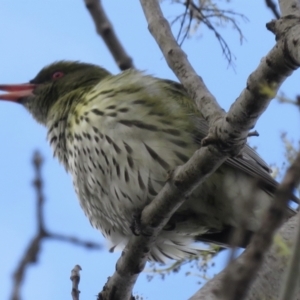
x=247 y=161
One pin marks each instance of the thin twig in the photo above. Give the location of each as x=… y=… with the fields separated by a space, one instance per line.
x=106 y=31
x=30 y=255
x=73 y=240
x=211 y=16
x=271 y=4
x=75 y=278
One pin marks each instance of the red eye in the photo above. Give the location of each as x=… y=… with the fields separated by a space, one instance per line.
x=57 y=75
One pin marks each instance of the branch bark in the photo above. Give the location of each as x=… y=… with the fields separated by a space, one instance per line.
x=177 y=60
x=229 y=132
x=31 y=255
x=291 y=279
x=272 y=6
x=237 y=277
x=105 y=29
x=75 y=278
x=268 y=280
x=154 y=216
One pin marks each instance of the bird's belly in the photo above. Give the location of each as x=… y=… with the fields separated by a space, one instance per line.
x=115 y=179
x=108 y=201
x=112 y=188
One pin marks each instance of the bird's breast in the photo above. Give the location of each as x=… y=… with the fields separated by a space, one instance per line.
x=119 y=162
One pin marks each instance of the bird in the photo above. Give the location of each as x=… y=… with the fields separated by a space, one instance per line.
x=120 y=135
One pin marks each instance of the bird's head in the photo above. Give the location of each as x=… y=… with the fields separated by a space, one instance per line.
x=51 y=84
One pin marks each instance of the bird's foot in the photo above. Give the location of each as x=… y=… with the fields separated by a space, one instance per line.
x=136 y=226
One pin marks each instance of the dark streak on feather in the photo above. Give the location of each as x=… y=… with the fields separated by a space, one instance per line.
x=97 y=112
x=104 y=155
x=126 y=175
x=140 y=181
x=130 y=161
x=138 y=124
x=156 y=157
x=128 y=148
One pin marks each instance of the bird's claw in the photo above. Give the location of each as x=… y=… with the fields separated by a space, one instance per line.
x=135 y=226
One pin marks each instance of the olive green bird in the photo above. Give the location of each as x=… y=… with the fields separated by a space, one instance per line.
x=119 y=135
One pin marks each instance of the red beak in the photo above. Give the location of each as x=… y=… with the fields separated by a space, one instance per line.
x=16 y=91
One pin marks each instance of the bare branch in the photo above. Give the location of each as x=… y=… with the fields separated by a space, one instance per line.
x=209 y=14
x=270 y=276
x=30 y=256
x=241 y=273
x=73 y=240
x=75 y=278
x=178 y=62
x=155 y=216
x=292 y=276
x=230 y=131
x=271 y=4
x=233 y=282
x=289 y=7
x=105 y=30
x=298 y=100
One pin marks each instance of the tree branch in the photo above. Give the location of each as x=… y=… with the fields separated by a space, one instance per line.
x=229 y=132
x=270 y=277
x=30 y=256
x=240 y=273
x=105 y=29
x=75 y=278
x=155 y=216
x=209 y=14
x=289 y=7
x=271 y=4
x=235 y=280
x=292 y=277
x=178 y=62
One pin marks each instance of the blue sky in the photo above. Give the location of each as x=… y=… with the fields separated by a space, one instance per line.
x=34 y=33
